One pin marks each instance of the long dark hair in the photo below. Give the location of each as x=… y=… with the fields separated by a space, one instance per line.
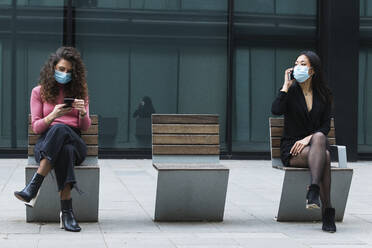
x=77 y=88
x=318 y=82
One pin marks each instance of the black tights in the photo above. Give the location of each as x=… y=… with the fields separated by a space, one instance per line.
x=317 y=158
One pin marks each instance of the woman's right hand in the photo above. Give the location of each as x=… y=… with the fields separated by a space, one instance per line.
x=287 y=82
x=58 y=111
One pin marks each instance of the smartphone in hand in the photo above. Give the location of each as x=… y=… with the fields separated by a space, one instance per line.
x=290 y=75
x=68 y=101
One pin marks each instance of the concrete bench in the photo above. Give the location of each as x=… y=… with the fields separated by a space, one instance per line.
x=191 y=183
x=292 y=201
x=85 y=206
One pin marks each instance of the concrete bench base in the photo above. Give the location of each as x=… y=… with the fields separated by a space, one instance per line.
x=47 y=206
x=293 y=198
x=190 y=192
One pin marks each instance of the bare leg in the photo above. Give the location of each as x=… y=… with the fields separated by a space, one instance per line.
x=44 y=168
x=65 y=194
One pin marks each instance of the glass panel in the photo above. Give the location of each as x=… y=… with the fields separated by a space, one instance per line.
x=258 y=77
x=5 y=74
x=275 y=18
x=295 y=7
x=365 y=20
x=5 y=89
x=33 y=40
x=365 y=101
x=158 y=60
x=44 y=3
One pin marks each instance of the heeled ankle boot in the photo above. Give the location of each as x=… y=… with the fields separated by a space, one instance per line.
x=312 y=197
x=30 y=193
x=67 y=218
x=328 y=217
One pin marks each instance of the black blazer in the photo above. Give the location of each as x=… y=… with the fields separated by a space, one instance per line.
x=298 y=121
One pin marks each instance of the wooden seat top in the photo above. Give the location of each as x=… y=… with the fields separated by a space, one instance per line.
x=187 y=167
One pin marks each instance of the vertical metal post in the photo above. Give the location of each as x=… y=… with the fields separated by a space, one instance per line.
x=230 y=75
x=69 y=24
x=13 y=80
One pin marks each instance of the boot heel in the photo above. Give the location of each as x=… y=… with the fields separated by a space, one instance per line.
x=60 y=220
x=32 y=203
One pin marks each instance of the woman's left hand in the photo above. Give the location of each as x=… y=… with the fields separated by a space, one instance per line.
x=79 y=104
x=300 y=145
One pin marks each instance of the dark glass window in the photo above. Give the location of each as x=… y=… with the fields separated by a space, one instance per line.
x=29 y=32
x=269 y=35
x=171 y=52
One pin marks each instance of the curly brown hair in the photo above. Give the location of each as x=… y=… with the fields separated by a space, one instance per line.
x=76 y=88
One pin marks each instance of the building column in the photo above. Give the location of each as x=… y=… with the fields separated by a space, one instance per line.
x=339 y=49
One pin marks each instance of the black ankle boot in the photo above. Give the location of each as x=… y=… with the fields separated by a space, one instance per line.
x=30 y=193
x=312 y=197
x=67 y=218
x=328 y=217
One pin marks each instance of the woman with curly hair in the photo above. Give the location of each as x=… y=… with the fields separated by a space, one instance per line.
x=60 y=146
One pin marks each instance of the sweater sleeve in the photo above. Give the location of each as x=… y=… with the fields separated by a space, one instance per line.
x=279 y=105
x=37 y=119
x=325 y=123
x=84 y=122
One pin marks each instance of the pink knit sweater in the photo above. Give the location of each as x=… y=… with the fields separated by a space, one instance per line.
x=40 y=109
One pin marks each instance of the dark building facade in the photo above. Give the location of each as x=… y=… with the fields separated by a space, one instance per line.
x=188 y=56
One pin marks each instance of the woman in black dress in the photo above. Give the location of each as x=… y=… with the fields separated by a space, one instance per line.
x=305 y=101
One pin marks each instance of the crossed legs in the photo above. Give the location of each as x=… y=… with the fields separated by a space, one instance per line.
x=316 y=157
x=44 y=168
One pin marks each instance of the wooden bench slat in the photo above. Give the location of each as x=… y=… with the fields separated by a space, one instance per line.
x=278 y=132
x=279 y=122
x=184 y=119
x=88 y=139
x=91 y=150
x=93 y=129
x=332 y=141
x=93 y=118
x=184 y=129
x=160 y=139
x=275 y=152
x=186 y=149
x=275 y=141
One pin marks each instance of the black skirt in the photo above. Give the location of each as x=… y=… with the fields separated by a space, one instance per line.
x=64 y=148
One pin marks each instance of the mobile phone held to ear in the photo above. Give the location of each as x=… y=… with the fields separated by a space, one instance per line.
x=290 y=75
x=68 y=101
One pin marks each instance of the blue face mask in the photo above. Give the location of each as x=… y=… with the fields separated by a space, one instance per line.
x=61 y=77
x=301 y=73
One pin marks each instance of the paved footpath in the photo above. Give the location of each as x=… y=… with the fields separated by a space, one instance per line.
x=127 y=206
